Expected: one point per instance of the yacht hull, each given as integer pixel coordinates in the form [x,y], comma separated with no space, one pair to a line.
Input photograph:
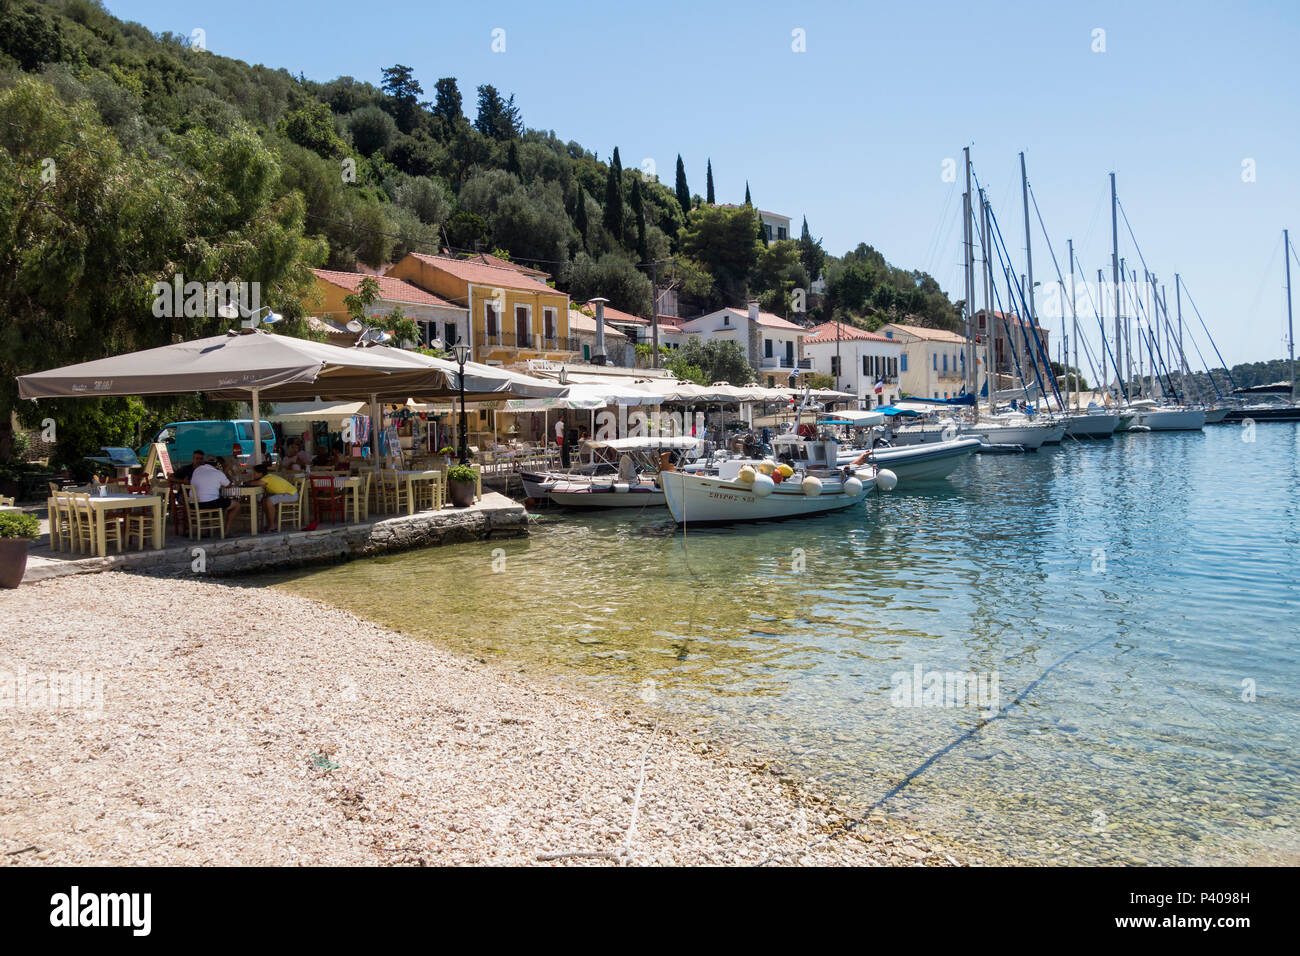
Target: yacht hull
[699,499]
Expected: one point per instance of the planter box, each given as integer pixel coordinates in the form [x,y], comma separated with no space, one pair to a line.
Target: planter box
[13,561]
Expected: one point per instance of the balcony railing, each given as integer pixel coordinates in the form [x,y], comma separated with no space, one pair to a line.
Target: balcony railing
[773,361]
[535,342]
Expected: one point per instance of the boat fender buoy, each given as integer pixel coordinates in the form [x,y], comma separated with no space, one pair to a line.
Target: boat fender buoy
[812,486]
[886,480]
[785,470]
[621,487]
[747,475]
[853,487]
[777,477]
[766,467]
[764,485]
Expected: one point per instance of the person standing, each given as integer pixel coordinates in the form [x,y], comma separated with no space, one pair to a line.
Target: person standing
[559,440]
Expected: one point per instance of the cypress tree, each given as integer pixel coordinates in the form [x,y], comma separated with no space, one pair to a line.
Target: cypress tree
[638,209]
[580,216]
[748,201]
[512,159]
[762,233]
[708,194]
[683,191]
[614,199]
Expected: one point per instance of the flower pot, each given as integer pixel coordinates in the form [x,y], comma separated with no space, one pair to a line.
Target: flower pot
[461,493]
[13,561]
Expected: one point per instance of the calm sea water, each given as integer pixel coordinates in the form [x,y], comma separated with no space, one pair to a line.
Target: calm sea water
[1137,601]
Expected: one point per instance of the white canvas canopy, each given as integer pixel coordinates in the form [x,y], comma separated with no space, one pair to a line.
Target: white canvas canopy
[303,413]
[646,443]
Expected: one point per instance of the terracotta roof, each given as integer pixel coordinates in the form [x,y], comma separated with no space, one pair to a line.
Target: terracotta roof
[765,319]
[933,335]
[391,289]
[487,259]
[838,331]
[480,274]
[581,322]
[615,315]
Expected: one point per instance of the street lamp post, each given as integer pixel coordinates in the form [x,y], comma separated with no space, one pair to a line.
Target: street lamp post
[460,352]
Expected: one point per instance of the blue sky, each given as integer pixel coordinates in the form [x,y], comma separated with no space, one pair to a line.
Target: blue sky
[853,131]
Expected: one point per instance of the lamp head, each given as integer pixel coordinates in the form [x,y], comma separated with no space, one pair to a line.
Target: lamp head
[460,351]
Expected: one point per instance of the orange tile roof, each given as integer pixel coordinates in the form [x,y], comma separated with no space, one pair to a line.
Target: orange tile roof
[615,315]
[391,289]
[488,259]
[838,331]
[933,335]
[480,274]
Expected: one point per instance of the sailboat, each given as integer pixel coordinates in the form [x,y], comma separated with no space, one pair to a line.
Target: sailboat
[1278,410]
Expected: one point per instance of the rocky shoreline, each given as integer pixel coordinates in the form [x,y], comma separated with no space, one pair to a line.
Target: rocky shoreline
[151,721]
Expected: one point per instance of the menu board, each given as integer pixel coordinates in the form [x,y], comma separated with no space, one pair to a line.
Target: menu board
[158,457]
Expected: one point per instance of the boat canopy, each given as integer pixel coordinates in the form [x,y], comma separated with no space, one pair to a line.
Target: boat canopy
[892,410]
[855,417]
[1277,388]
[645,443]
[958,400]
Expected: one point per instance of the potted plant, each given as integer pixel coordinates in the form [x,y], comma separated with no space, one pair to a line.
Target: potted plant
[446,451]
[462,480]
[16,532]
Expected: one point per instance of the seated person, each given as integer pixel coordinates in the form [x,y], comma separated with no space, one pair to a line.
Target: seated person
[184,473]
[275,489]
[208,480]
[340,460]
[297,456]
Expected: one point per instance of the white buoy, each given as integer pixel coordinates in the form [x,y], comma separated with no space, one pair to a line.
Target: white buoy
[853,487]
[812,486]
[767,467]
[621,487]
[764,485]
[747,475]
[886,480]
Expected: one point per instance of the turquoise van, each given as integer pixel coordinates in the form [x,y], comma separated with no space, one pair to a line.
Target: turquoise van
[213,438]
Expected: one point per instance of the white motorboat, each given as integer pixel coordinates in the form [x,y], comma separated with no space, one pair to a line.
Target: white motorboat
[932,461]
[618,473]
[744,491]
[1166,418]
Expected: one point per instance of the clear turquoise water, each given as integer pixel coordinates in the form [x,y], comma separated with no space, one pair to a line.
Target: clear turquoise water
[1121,591]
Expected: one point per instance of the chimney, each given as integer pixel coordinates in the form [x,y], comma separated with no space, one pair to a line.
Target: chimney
[753,310]
[598,353]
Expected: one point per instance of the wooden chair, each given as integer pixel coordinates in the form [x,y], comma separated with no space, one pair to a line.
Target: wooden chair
[292,510]
[356,499]
[392,492]
[179,509]
[86,525]
[325,498]
[139,525]
[202,519]
[63,523]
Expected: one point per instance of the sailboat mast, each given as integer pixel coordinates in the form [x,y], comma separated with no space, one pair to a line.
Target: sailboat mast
[1074,327]
[968,263]
[1029,264]
[1290,327]
[1114,269]
[990,372]
[1101,314]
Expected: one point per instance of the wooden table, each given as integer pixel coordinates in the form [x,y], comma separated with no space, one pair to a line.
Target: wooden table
[250,495]
[102,504]
[412,477]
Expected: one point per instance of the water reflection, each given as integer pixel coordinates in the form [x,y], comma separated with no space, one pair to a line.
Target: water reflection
[1144,575]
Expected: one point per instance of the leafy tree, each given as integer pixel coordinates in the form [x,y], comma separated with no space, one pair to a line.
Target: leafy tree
[404,93]
[30,36]
[683,191]
[723,241]
[447,102]
[500,119]
[710,198]
[466,230]
[372,130]
[718,360]
[312,126]
[614,277]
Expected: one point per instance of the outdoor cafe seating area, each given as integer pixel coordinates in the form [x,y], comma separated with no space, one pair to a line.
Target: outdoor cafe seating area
[131,513]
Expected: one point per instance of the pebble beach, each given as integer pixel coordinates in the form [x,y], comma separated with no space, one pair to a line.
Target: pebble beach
[205,723]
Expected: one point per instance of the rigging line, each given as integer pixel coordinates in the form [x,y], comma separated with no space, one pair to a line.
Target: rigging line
[1130,234]
[1192,302]
[1102,326]
[1037,350]
[941,225]
[1000,715]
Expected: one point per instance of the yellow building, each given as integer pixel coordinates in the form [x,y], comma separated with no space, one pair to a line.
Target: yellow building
[436,318]
[514,315]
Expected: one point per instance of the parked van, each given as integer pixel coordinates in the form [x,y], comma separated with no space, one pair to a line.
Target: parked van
[213,438]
